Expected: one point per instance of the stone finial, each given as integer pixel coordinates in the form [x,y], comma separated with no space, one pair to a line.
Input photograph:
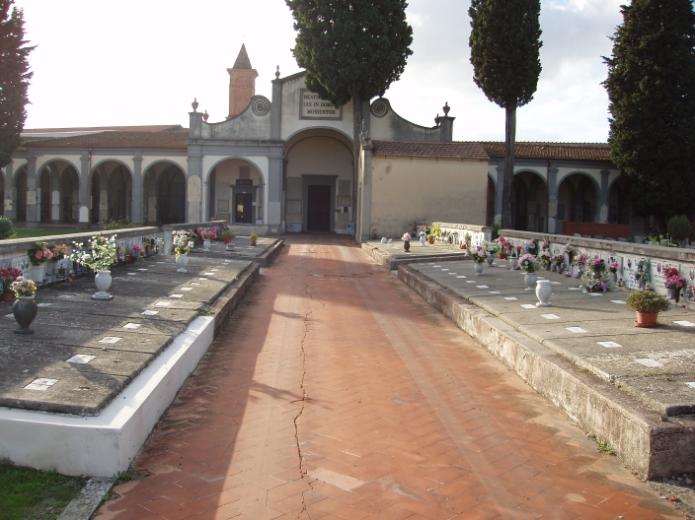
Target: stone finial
[195,104]
[206,116]
[277,72]
[437,119]
[446,108]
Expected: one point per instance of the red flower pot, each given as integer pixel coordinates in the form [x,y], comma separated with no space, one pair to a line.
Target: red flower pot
[646,320]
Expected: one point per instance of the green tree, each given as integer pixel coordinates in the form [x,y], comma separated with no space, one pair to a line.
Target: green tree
[351,49]
[505,46]
[14,78]
[651,88]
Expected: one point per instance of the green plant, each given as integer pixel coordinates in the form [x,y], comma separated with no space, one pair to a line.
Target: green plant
[679,227]
[6,228]
[603,447]
[495,231]
[647,301]
[436,230]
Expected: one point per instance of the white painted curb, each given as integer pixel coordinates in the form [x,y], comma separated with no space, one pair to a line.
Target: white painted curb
[105,445]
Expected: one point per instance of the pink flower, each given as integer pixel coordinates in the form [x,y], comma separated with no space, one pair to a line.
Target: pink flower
[38,255]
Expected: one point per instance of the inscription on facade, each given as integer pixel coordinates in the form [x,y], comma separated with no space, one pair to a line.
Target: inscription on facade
[311,106]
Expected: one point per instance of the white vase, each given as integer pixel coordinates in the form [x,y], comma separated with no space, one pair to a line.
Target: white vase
[478,267]
[530,279]
[544,290]
[206,245]
[38,273]
[182,262]
[103,281]
[423,240]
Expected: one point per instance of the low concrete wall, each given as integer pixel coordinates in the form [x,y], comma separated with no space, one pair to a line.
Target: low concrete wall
[648,444]
[479,235]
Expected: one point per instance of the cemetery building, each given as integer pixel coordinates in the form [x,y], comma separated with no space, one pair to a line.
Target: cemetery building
[285,164]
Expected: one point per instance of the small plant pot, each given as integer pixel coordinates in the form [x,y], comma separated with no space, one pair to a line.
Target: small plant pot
[478,268]
[406,246]
[252,241]
[24,310]
[646,320]
[102,279]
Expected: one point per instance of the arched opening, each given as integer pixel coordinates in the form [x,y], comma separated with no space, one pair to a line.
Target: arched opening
[58,193]
[111,193]
[235,192]
[529,202]
[319,182]
[165,194]
[490,216]
[619,201]
[577,196]
[20,190]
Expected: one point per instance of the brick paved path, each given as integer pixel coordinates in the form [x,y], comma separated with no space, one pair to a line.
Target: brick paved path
[337,393]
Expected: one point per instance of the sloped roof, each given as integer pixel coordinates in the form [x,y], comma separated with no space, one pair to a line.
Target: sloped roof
[455,150]
[552,151]
[242,60]
[170,139]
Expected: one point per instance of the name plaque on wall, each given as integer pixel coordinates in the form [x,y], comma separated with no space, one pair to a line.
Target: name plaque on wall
[311,106]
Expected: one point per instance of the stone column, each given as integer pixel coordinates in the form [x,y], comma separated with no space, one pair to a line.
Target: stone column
[498,195]
[10,210]
[553,224]
[276,110]
[55,205]
[603,198]
[364,192]
[85,189]
[136,201]
[274,202]
[196,191]
[103,197]
[32,202]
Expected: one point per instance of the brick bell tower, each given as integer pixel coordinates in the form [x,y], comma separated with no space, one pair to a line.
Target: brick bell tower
[242,83]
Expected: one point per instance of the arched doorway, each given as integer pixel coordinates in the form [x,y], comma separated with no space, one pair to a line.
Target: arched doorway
[111,193]
[20,194]
[59,185]
[529,202]
[319,182]
[619,201]
[165,194]
[577,196]
[236,192]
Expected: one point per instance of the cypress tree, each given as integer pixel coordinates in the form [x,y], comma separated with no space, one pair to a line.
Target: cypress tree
[651,88]
[14,78]
[505,47]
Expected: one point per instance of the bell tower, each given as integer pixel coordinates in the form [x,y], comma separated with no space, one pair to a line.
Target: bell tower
[242,83]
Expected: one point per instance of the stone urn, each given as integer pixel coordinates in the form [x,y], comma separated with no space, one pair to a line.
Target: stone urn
[478,267]
[24,309]
[544,290]
[530,279]
[182,262]
[102,280]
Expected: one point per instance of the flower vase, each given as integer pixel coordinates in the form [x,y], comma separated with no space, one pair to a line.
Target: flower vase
[478,267]
[645,320]
[229,245]
[423,239]
[24,309]
[206,245]
[490,259]
[530,279]
[182,262]
[37,273]
[102,280]
[406,246]
[544,290]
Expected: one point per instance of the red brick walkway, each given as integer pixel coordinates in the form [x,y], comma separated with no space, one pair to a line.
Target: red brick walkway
[337,393]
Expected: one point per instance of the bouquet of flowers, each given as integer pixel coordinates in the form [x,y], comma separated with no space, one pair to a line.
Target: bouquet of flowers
[182,242]
[60,251]
[136,251]
[209,233]
[528,263]
[7,276]
[227,235]
[613,266]
[98,255]
[545,259]
[23,287]
[531,247]
[479,255]
[39,253]
[558,263]
[406,237]
[673,278]
[598,265]
[593,283]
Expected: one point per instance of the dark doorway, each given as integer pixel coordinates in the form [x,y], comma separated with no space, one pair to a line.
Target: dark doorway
[243,209]
[319,208]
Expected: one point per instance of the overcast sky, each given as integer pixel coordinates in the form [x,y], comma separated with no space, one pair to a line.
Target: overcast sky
[128,62]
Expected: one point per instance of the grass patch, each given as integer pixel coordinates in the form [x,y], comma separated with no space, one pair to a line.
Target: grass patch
[42,232]
[40,495]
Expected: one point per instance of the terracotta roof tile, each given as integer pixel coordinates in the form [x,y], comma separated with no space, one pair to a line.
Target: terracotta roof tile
[430,149]
[172,140]
[553,151]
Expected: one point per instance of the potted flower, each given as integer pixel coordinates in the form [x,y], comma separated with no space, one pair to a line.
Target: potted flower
[227,238]
[39,253]
[491,252]
[182,246]
[7,276]
[478,256]
[674,282]
[546,260]
[207,235]
[24,308]
[406,238]
[504,245]
[253,238]
[98,255]
[647,305]
[558,263]
[528,264]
